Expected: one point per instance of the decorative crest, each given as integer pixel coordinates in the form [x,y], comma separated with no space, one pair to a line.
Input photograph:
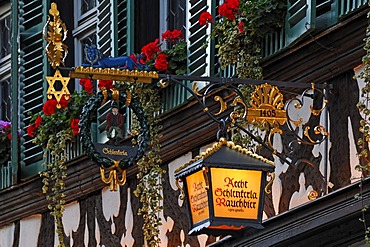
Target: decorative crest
[267,105]
[56,50]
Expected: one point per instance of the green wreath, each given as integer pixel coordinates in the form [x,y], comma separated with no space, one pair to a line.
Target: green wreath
[89,114]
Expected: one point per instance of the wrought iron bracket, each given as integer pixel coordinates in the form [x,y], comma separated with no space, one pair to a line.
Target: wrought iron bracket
[298,128]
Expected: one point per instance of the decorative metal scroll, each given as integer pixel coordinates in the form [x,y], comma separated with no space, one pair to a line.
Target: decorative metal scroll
[266,109]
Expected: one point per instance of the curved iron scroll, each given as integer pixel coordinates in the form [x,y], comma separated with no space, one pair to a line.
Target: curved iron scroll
[224,120]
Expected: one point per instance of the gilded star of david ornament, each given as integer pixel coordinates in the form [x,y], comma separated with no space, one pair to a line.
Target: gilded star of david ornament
[58,94]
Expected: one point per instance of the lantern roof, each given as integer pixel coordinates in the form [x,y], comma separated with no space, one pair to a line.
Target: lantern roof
[226,153]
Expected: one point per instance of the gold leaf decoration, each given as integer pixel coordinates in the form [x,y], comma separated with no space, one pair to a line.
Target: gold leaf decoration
[267,106]
[56,50]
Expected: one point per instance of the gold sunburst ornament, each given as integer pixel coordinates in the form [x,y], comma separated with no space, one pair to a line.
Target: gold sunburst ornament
[267,106]
[58,94]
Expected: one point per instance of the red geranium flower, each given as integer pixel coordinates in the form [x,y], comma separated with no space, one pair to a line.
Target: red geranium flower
[172,36]
[177,35]
[229,8]
[205,18]
[108,84]
[9,136]
[31,130]
[150,49]
[167,35]
[49,107]
[87,85]
[63,101]
[161,62]
[233,4]
[241,27]
[38,121]
[83,81]
[74,126]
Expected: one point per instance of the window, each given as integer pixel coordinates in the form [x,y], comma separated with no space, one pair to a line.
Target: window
[5,50]
[176,15]
[84,31]
[87,5]
[5,38]
[5,100]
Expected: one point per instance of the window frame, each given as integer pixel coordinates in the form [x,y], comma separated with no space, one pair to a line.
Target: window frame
[5,10]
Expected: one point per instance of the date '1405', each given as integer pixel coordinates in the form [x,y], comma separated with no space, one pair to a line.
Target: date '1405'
[267,113]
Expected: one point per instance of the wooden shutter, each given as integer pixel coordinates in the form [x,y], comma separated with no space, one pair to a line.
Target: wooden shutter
[105,43]
[300,19]
[346,7]
[197,38]
[32,74]
[125,27]
[105,27]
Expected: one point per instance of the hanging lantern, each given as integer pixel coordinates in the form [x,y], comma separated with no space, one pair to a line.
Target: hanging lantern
[224,188]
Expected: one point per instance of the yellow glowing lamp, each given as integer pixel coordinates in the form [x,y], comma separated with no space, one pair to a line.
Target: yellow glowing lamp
[224,188]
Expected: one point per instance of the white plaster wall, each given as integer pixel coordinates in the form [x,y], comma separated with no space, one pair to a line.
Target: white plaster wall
[301,196]
[172,166]
[71,219]
[30,230]
[355,174]
[167,226]
[111,203]
[280,167]
[303,114]
[86,234]
[7,235]
[128,239]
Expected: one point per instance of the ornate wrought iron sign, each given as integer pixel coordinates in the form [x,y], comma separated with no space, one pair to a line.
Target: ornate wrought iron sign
[115,160]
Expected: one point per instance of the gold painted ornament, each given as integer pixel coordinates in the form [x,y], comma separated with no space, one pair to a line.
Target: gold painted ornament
[53,92]
[267,106]
[56,50]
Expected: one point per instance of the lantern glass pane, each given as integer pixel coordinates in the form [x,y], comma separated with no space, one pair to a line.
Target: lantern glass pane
[236,193]
[198,198]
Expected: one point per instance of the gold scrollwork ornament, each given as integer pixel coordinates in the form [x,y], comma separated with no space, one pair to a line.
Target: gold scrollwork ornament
[271,175]
[113,179]
[223,105]
[56,50]
[312,195]
[182,193]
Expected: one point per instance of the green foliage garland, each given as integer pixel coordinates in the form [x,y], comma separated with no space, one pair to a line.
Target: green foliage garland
[239,36]
[52,129]
[150,173]
[364,108]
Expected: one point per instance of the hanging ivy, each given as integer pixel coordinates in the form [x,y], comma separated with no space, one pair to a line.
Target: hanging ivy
[362,143]
[149,188]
